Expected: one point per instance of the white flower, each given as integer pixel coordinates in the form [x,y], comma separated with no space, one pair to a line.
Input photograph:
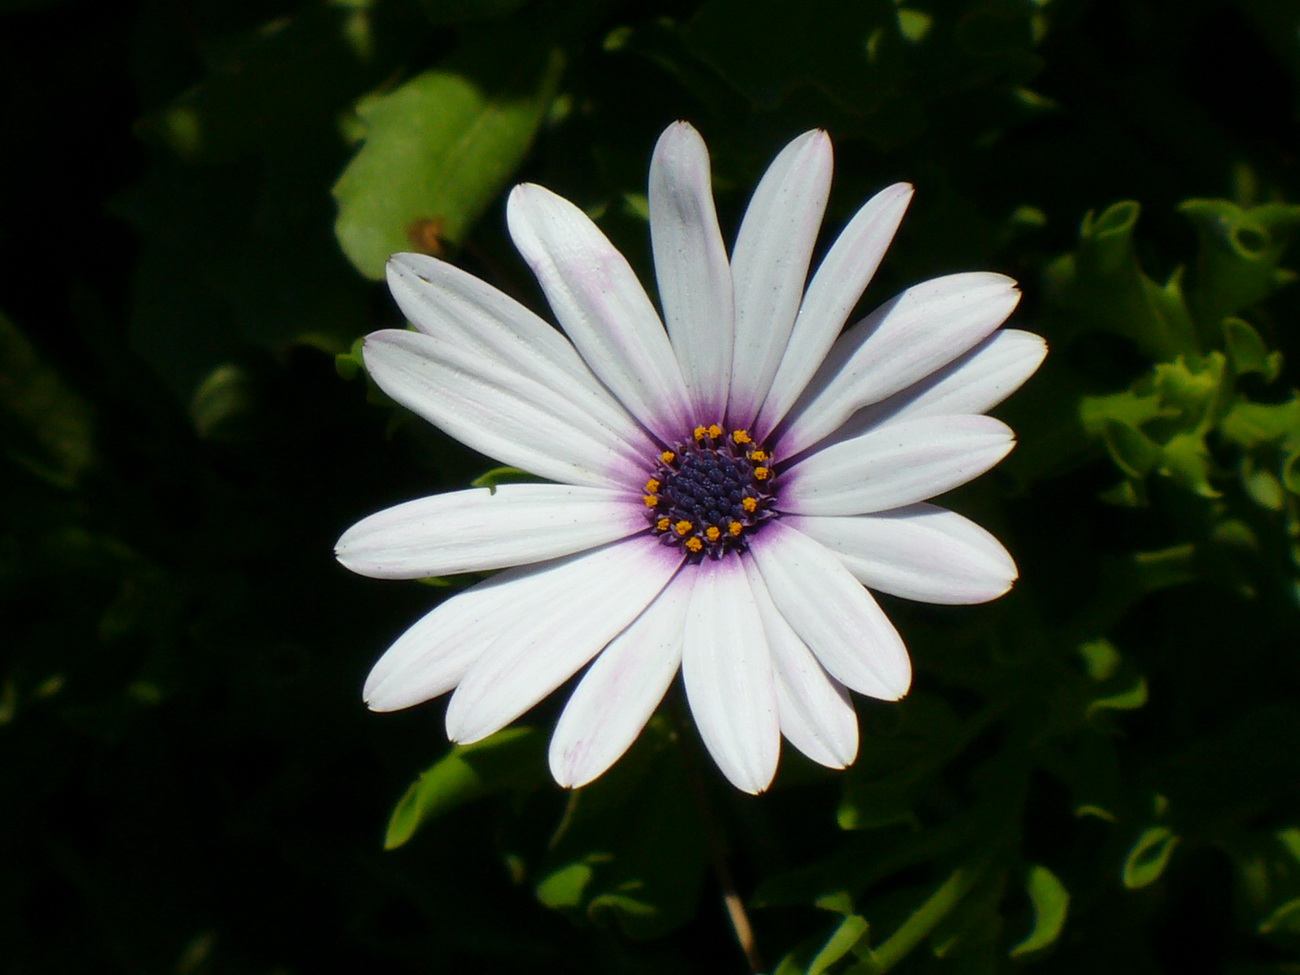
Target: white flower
[724,489]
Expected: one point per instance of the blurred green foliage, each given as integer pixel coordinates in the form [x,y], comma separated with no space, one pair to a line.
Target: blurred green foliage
[1099,772]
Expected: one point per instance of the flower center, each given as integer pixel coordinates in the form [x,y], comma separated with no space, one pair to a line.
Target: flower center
[710,493]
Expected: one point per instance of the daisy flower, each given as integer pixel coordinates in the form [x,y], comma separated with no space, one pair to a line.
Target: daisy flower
[724,491]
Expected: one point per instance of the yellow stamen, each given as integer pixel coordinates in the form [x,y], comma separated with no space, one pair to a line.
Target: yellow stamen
[663,524]
[700,433]
[651,500]
[741,436]
[761,473]
[667,457]
[735,528]
[652,485]
[713,533]
[694,544]
[715,431]
[683,526]
[749,504]
[758,456]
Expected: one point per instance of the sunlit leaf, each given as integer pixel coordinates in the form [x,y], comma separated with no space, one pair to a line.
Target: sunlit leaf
[1148,857]
[441,147]
[851,931]
[1051,903]
[1247,350]
[1186,459]
[1254,424]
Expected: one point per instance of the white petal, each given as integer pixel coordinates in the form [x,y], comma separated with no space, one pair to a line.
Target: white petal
[816,712]
[621,689]
[903,341]
[975,383]
[920,552]
[831,612]
[517,419]
[453,306]
[600,304]
[434,655]
[727,669]
[478,530]
[894,465]
[770,264]
[574,607]
[691,267]
[839,282]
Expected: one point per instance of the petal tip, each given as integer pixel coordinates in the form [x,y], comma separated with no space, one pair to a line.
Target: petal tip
[379,705]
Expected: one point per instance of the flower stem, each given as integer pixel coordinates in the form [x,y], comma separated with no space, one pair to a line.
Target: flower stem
[731,899]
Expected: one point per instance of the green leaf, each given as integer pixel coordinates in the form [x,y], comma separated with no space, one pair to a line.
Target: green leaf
[1100,658]
[631,852]
[1187,461]
[1130,699]
[1194,388]
[1256,424]
[1291,472]
[1102,286]
[440,148]
[349,364]
[1148,857]
[47,428]
[501,475]
[1247,351]
[850,932]
[1238,262]
[513,760]
[1284,920]
[969,937]
[223,402]
[567,886]
[1131,407]
[1165,567]
[1051,902]
[1133,452]
[923,919]
[1262,485]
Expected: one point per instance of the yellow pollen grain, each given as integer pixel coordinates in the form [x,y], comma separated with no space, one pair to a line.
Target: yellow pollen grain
[663,524]
[667,457]
[761,473]
[749,504]
[713,533]
[736,527]
[651,500]
[683,526]
[758,456]
[741,436]
[652,485]
[715,431]
[700,433]
[694,544]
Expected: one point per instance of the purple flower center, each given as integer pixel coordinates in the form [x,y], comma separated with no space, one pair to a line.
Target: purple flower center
[710,493]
